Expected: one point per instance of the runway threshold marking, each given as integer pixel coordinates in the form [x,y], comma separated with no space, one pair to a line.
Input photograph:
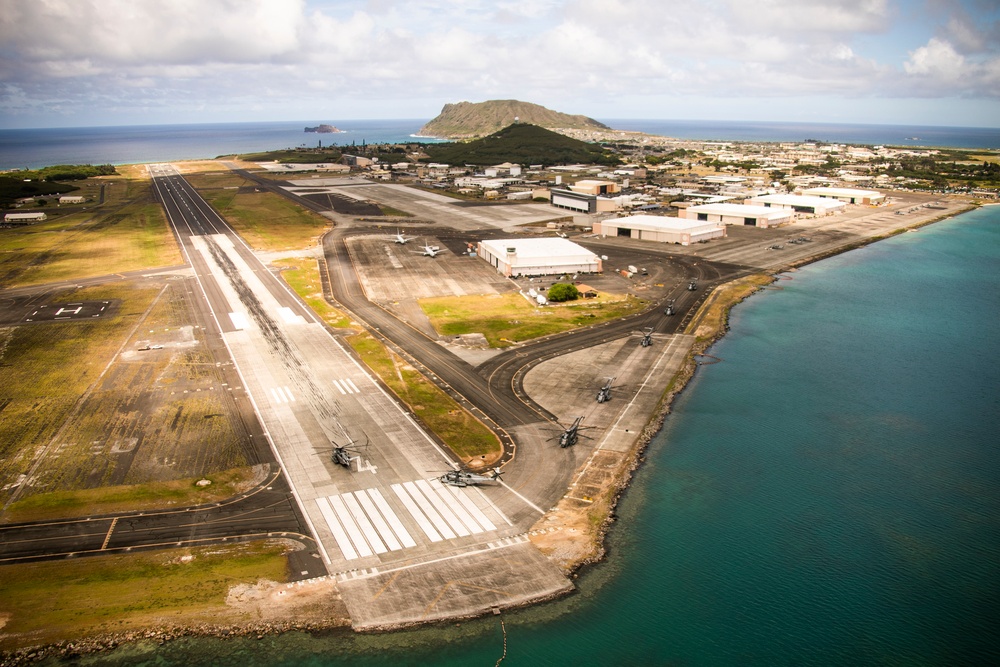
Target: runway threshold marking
[107,538]
[346,386]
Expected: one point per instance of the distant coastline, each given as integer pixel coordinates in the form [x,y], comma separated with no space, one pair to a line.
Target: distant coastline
[133,144]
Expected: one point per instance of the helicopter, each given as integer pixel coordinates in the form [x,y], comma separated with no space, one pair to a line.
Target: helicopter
[669,310]
[345,455]
[464,478]
[604,393]
[570,434]
[647,337]
[693,285]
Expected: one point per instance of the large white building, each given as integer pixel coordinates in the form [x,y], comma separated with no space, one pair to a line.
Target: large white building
[739,214]
[23,218]
[538,257]
[800,203]
[847,195]
[661,229]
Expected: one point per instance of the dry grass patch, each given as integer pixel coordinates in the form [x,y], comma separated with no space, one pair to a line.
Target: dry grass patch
[302,275]
[132,498]
[456,427]
[509,318]
[267,221]
[128,233]
[66,600]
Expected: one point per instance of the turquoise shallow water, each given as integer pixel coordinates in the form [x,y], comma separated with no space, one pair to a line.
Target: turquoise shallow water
[827,495]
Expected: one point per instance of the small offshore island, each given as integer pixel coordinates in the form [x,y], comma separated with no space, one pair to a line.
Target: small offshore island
[324,129]
[455,327]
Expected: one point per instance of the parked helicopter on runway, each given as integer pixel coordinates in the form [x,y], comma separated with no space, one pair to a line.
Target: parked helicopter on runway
[647,337]
[604,393]
[693,285]
[669,310]
[570,434]
[346,455]
[463,478]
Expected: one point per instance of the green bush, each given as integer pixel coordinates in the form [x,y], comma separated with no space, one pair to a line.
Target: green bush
[563,292]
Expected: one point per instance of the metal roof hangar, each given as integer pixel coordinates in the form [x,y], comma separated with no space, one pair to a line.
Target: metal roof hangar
[740,214]
[538,257]
[661,229]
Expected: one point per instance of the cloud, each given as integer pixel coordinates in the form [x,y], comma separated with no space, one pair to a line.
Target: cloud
[304,58]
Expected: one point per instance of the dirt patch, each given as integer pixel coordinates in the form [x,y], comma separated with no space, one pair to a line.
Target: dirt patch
[266,601]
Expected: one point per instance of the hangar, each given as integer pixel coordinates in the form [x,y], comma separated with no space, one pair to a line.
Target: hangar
[23,218]
[847,195]
[661,229]
[800,203]
[739,214]
[538,257]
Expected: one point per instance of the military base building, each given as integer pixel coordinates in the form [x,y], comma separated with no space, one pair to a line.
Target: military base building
[538,257]
[847,195]
[740,214]
[661,229]
[819,206]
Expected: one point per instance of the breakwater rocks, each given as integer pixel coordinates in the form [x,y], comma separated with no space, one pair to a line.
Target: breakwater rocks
[70,650]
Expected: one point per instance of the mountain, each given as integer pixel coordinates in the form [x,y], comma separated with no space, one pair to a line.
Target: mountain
[466,120]
[521,144]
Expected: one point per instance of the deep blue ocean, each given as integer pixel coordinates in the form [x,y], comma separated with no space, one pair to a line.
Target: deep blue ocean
[826,495]
[20,149]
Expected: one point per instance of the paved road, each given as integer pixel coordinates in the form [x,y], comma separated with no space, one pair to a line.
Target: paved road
[268,510]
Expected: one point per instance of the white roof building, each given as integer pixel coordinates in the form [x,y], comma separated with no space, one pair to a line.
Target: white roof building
[23,218]
[661,229]
[740,214]
[800,203]
[848,195]
[538,257]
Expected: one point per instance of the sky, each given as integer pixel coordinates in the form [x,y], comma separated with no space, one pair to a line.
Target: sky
[76,63]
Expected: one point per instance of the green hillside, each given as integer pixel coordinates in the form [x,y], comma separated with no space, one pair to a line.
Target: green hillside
[521,144]
[467,119]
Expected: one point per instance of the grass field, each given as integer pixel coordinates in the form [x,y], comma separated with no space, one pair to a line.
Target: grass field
[95,418]
[130,498]
[464,434]
[302,275]
[65,600]
[127,233]
[508,318]
[265,220]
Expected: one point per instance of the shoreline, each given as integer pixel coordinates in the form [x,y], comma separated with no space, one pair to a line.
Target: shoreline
[622,479]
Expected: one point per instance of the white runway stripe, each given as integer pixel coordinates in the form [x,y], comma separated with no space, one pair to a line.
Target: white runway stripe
[338,532]
[348,523]
[471,508]
[380,525]
[391,518]
[415,512]
[339,386]
[364,523]
[352,385]
[428,509]
[441,506]
[289,393]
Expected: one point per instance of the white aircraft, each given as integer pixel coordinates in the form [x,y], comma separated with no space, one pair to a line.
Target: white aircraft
[401,238]
[431,250]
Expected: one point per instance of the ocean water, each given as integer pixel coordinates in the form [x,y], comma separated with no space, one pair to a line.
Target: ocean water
[31,149]
[827,495]
[847,133]
[134,144]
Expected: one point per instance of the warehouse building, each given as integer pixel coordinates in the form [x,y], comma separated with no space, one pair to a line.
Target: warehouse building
[71,199]
[661,229]
[847,195]
[538,257]
[800,203]
[23,218]
[740,214]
